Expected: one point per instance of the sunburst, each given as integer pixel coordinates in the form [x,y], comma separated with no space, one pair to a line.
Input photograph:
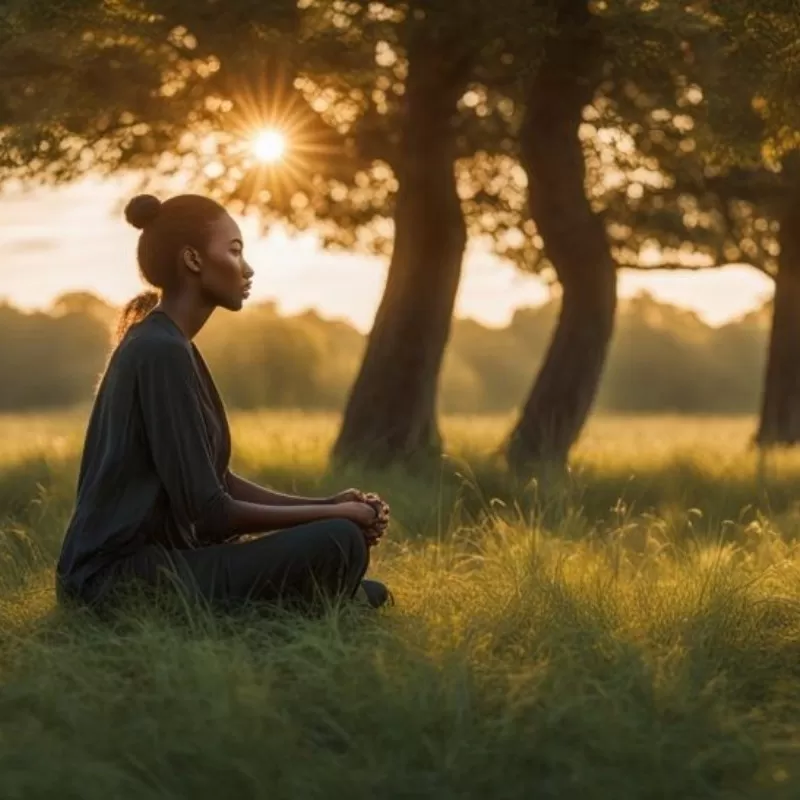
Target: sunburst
[269,146]
[272,143]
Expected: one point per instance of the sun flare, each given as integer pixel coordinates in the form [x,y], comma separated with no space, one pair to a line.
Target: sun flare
[269,146]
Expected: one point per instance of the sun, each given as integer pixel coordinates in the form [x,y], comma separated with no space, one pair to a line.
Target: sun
[269,145]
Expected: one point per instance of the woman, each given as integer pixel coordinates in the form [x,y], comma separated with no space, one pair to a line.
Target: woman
[157,502]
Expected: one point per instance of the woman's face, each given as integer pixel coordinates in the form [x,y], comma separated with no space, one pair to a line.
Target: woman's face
[225,276]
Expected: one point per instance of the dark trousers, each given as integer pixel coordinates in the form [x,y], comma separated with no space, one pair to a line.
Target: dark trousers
[302,567]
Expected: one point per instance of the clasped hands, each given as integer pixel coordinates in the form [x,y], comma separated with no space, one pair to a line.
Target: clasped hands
[366,509]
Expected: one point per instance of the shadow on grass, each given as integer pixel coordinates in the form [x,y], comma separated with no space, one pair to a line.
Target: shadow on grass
[557,684]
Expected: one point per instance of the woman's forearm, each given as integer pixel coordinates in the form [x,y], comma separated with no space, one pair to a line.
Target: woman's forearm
[241,489]
[245,517]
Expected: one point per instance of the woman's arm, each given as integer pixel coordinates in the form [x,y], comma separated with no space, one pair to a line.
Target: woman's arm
[244,517]
[241,489]
[199,501]
[174,425]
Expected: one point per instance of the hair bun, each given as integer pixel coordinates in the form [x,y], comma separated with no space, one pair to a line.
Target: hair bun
[142,210]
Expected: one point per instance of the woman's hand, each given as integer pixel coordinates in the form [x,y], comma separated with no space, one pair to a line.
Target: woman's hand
[378,528]
[374,529]
[357,496]
[362,514]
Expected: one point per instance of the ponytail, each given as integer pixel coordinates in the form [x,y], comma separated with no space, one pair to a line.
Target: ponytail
[135,310]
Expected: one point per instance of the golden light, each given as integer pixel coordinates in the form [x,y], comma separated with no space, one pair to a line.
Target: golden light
[269,146]
[276,146]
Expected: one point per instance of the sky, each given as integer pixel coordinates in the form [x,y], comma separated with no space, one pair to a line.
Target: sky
[75,238]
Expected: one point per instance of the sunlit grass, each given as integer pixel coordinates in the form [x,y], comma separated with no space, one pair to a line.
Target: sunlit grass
[629,631]
[40,435]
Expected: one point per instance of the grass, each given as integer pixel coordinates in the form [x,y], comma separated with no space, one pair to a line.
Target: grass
[631,630]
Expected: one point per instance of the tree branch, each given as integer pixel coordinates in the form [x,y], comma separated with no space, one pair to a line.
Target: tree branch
[676,266]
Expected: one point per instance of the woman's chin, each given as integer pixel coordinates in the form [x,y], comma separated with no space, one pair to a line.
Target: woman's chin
[235,303]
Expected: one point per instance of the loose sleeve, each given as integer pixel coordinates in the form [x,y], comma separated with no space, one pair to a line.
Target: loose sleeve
[176,433]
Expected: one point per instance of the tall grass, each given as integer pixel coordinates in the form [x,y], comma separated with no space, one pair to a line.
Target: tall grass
[630,630]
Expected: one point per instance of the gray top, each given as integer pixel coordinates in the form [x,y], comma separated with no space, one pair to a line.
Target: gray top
[155,460]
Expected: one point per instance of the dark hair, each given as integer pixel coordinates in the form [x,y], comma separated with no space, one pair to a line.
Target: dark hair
[166,229]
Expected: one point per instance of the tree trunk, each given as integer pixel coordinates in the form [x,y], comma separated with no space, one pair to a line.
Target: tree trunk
[780,408]
[390,416]
[576,244]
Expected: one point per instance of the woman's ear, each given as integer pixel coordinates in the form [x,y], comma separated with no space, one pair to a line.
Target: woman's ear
[190,258]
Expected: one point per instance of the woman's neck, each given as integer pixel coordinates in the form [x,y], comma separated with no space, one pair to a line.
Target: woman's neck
[186,313]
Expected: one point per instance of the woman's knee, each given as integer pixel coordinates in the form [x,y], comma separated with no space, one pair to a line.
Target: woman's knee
[342,543]
[349,537]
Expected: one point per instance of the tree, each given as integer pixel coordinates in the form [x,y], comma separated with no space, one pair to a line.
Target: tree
[84,303]
[574,238]
[391,412]
[681,135]
[767,129]
[407,131]
[729,184]
[596,51]
[371,93]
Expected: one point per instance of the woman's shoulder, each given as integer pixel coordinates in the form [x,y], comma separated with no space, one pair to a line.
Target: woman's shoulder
[153,339]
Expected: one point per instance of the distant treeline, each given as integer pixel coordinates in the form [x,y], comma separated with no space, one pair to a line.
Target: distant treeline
[662,359]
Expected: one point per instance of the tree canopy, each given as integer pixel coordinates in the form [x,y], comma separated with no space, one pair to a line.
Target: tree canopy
[180,88]
[679,119]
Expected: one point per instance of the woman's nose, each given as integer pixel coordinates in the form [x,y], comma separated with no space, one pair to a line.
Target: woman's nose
[248,270]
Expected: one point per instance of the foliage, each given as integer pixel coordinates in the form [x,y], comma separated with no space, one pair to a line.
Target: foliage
[720,149]
[689,98]
[172,89]
[179,88]
[662,359]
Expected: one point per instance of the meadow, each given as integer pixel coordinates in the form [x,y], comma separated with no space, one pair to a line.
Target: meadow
[628,630]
